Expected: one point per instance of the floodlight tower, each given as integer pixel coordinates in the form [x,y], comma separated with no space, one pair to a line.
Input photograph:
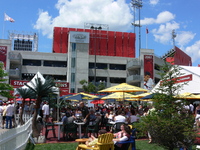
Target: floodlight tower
[173,37]
[137,4]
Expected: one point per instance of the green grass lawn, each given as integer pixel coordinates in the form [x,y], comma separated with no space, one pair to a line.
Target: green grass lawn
[140,145]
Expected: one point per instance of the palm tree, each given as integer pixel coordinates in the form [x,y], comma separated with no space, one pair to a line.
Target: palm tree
[24,93]
[40,89]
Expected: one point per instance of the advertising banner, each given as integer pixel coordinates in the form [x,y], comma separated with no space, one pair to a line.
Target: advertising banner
[79,37]
[3,54]
[148,72]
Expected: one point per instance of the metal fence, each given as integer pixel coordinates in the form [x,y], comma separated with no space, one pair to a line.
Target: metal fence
[16,138]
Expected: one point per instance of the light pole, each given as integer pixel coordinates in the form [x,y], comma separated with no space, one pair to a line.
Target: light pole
[95,27]
[137,4]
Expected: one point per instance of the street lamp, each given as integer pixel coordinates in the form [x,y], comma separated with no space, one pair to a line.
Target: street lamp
[138,5]
[94,26]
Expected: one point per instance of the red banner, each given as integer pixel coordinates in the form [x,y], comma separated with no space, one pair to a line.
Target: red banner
[3,53]
[185,78]
[148,72]
[64,91]
[63,86]
[18,83]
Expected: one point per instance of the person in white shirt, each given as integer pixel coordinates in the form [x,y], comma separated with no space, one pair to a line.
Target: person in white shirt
[45,110]
[9,113]
[120,117]
[133,118]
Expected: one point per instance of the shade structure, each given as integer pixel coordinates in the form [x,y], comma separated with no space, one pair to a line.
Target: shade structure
[81,96]
[187,95]
[124,87]
[141,95]
[66,96]
[118,96]
[97,102]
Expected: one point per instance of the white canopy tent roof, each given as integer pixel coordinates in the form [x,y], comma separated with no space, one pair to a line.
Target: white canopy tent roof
[191,75]
[38,75]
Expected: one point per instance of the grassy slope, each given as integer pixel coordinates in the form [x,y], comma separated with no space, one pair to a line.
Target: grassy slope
[140,145]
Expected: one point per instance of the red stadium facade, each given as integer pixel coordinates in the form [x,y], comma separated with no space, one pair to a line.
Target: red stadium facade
[104,43]
[179,58]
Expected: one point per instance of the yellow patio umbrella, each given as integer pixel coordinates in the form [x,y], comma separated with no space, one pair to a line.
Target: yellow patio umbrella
[141,95]
[187,95]
[124,87]
[118,96]
[81,96]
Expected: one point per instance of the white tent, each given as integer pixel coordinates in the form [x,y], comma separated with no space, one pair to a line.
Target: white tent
[191,75]
[38,75]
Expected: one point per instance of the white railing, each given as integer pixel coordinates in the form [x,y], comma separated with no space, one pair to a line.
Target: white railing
[25,117]
[16,138]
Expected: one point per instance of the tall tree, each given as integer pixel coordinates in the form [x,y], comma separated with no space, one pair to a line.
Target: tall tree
[5,88]
[170,124]
[24,93]
[40,89]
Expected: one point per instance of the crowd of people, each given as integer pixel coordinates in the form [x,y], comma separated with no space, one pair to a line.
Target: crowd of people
[101,114]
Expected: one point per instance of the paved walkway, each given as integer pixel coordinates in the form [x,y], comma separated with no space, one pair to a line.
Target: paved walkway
[3,130]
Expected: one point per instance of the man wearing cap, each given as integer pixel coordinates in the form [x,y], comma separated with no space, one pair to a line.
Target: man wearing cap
[9,113]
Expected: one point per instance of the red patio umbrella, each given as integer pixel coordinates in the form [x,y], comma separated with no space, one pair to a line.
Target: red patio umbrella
[27,99]
[97,102]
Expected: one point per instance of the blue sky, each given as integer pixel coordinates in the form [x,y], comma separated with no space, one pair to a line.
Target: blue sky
[159,16]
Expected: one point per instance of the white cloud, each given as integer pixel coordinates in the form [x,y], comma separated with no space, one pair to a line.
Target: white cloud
[194,51]
[184,37]
[162,17]
[74,13]
[164,33]
[154,2]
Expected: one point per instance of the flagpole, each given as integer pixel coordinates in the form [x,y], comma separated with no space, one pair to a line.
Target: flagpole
[146,40]
[3,27]
[147,31]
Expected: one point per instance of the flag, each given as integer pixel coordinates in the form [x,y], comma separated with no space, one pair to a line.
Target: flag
[147,30]
[7,18]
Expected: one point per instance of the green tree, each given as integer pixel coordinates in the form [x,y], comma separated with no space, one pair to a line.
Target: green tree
[24,93]
[170,124]
[40,89]
[89,87]
[5,88]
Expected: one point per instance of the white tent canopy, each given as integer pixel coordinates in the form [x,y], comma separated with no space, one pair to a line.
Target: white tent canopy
[191,75]
[38,75]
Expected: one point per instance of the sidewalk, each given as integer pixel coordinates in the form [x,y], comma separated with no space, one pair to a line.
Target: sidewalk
[3,130]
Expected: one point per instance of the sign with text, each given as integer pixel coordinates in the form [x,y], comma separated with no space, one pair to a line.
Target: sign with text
[79,37]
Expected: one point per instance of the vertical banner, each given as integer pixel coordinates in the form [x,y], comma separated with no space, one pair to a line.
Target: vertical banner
[148,72]
[3,54]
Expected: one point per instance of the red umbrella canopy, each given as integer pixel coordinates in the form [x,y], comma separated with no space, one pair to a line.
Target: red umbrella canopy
[97,102]
[27,99]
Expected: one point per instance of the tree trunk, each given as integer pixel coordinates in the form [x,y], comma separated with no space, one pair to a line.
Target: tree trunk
[21,121]
[36,132]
